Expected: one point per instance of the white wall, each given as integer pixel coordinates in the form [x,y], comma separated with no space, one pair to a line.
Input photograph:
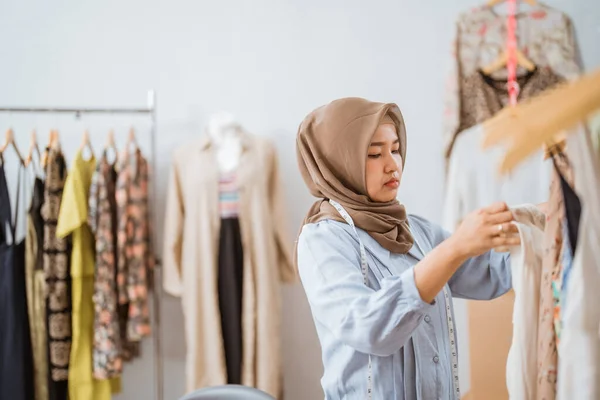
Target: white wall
[269,62]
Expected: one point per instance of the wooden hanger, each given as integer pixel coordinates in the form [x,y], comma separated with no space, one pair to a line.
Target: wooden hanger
[530,125]
[502,61]
[492,3]
[9,139]
[53,143]
[110,141]
[32,146]
[86,143]
[132,139]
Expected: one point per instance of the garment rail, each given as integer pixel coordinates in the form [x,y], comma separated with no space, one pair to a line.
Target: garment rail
[149,110]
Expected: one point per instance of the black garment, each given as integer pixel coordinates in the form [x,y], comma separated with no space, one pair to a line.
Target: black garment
[230,278]
[16,358]
[35,213]
[572,210]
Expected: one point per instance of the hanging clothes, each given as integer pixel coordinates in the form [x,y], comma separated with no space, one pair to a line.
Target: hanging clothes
[192,226]
[526,263]
[481,96]
[135,260]
[230,276]
[579,348]
[551,264]
[36,290]
[102,220]
[58,279]
[16,363]
[544,34]
[473,181]
[72,221]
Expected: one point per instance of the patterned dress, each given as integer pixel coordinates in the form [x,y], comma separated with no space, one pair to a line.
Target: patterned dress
[58,280]
[544,34]
[102,219]
[135,259]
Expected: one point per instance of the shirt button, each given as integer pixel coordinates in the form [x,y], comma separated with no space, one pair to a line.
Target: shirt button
[436,359]
[427,318]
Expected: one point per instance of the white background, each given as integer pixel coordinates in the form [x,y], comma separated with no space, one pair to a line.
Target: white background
[268,62]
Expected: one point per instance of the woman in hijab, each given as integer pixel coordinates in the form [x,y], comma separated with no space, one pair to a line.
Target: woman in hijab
[380,282]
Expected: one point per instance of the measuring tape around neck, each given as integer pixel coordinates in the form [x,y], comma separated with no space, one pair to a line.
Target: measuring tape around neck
[449,320]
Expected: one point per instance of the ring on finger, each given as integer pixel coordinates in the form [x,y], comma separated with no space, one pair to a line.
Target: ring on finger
[500,227]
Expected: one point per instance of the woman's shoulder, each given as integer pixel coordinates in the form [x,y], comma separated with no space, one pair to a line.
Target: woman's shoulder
[328,231]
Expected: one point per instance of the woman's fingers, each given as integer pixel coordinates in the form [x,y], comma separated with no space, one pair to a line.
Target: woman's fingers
[496,207]
[507,228]
[508,241]
[501,217]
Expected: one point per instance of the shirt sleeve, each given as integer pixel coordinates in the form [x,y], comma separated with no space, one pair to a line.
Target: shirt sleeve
[173,235]
[377,322]
[484,277]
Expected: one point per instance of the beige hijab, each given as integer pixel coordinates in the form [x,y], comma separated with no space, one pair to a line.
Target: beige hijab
[332,146]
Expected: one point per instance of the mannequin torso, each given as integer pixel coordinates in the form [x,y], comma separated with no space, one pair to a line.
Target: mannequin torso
[225,133]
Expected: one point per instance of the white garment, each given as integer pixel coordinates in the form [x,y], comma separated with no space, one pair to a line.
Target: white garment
[473,180]
[526,269]
[579,347]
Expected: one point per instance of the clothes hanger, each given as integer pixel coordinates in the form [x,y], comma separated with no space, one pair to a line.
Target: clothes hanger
[53,143]
[492,3]
[32,146]
[132,140]
[502,61]
[86,143]
[110,143]
[530,125]
[9,139]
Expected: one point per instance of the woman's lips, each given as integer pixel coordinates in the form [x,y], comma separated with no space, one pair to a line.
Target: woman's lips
[392,183]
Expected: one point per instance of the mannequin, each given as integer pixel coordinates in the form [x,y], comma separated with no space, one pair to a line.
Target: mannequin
[225,132]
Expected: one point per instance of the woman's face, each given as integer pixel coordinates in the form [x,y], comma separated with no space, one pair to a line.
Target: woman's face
[384,164]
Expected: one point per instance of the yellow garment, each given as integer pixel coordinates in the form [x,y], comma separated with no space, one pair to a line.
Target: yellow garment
[36,306]
[72,219]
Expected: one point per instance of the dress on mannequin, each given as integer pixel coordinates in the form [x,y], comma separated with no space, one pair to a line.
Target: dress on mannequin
[224,131]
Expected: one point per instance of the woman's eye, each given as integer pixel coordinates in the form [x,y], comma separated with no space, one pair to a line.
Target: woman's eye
[374,155]
[396,151]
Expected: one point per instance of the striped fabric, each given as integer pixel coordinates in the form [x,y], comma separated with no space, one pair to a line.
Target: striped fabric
[228,196]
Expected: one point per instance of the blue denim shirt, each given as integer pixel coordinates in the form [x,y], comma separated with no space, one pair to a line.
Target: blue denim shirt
[407,338]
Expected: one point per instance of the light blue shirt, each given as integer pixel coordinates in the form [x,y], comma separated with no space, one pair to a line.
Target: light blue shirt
[407,338]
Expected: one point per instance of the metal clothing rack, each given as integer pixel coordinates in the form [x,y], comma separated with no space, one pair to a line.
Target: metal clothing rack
[149,110]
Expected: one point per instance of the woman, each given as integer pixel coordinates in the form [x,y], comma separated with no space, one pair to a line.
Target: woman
[380,283]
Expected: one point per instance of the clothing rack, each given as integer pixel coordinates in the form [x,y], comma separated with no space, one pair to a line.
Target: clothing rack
[149,110]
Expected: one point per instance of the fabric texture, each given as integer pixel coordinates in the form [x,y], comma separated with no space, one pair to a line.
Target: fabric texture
[526,263]
[135,260]
[16,360]
[481,96]
[58,278]
[36,290]
[579,348]
[551,266]
[545,35]
[406,337]
[473,180]
[73,220]
[229,197]
[102,220]
[191,232]
[333,169]
[230,286]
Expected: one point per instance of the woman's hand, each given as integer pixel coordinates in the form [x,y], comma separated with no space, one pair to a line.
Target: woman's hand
[485,229]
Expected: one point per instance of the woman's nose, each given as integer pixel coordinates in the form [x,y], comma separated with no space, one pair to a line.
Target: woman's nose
[390,165]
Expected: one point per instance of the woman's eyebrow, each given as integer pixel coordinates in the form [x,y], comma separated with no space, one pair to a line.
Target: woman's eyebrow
[383,143]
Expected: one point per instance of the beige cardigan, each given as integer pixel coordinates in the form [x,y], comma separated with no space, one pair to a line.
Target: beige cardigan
[191,254]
